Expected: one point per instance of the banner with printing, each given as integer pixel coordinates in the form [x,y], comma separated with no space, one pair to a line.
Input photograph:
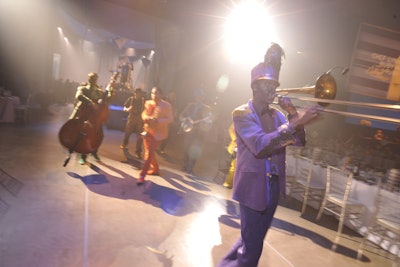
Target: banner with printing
[375,68]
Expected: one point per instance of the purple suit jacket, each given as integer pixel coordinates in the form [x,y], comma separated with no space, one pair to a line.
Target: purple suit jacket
[254,145]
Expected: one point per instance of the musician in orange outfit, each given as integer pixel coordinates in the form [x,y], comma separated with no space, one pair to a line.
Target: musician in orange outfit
[157,115]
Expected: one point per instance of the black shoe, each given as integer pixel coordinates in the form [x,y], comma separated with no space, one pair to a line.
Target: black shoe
[140,181]
[82,161]
[96,157]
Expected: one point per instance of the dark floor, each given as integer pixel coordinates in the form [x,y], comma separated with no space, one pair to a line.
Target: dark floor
[95,215]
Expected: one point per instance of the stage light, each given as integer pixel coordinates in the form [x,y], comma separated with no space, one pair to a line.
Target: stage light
[248,32]
[146,62]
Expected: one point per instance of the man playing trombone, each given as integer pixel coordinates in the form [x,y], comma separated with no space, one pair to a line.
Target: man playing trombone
[263,133]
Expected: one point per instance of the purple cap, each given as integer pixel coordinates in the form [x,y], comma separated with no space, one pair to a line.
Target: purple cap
[270,68]
[264,71]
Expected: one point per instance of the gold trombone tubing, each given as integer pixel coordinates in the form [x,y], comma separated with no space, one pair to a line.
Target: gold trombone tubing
[363,116]
[350,103]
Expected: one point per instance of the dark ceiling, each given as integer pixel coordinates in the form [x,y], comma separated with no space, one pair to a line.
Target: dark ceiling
[178,11]
[182,12]
[155,8]
[129,20]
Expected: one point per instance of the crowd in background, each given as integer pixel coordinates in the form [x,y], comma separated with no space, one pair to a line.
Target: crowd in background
[359,145]
[58,92]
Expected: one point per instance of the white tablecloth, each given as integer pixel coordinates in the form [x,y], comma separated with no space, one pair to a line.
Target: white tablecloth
[7,108]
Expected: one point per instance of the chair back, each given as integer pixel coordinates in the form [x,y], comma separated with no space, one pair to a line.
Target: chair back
[331,158]
[338,182]
[316,154]
[293,150]
[291,166]
[387,205]
[393,180]
[304,169]
[385,223]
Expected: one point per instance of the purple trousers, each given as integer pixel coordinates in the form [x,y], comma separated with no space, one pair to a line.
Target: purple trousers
[254,225]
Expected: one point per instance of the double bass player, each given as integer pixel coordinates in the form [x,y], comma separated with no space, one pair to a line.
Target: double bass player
[90,99]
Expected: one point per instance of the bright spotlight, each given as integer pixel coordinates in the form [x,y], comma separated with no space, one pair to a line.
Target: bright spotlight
[66,39]
[248,32]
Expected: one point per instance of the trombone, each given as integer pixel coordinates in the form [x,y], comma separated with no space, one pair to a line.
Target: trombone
[324,92]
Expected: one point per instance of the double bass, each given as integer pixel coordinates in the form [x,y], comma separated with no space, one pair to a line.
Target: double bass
[85,134]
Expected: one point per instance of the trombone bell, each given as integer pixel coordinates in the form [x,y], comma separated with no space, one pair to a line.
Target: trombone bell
[324,88]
